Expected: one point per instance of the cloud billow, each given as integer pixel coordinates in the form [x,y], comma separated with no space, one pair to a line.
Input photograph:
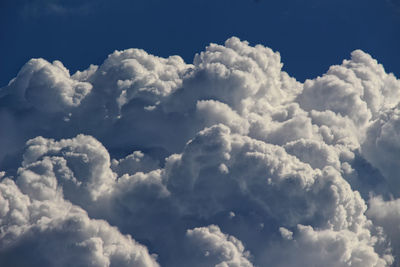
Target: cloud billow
[229,161]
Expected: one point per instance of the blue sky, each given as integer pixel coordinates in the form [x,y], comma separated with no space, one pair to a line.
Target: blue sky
[311,35]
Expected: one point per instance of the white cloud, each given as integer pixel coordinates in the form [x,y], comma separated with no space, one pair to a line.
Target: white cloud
[40,227]
[359,89]
[312,247]
[381,147]
[48,87]
[212,247]
[82,164]
[222,159]
[387,215]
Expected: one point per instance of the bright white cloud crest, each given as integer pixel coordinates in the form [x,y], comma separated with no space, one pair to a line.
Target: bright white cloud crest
[148,161]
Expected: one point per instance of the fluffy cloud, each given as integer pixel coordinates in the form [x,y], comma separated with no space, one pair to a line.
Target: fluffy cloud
[387,215]
[228,161]
[47,87]
[330,248]
[381,147]
[216,248]
[211,177]
[38,227]
[359,89]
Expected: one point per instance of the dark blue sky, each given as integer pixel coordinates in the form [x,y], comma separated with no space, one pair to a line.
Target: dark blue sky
[311,35]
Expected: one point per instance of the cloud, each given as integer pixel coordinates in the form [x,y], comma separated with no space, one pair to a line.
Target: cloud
[47,87]
[38,224]
[228,161]
[194,185]
[359,89]
[386,214]
[329,248]
[381,146]
[216,248]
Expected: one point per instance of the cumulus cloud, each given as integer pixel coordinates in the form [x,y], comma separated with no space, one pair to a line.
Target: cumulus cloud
[216,248]
[47,87]
[39,227]
[328,248]
[381,147]
[358,89]
[386,213]
[228,161]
